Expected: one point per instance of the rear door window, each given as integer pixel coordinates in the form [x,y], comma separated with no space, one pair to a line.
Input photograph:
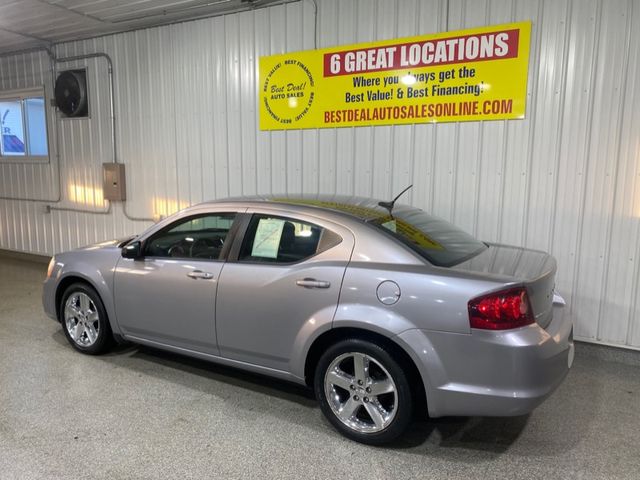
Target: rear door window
[273,239]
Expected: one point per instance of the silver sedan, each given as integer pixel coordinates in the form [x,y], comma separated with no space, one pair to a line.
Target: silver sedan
[384,310]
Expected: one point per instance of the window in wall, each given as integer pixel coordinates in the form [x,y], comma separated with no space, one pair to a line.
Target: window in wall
[23,125]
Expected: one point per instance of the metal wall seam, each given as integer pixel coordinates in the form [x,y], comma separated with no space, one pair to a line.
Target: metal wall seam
[633,155]
[589,117]
[615,175]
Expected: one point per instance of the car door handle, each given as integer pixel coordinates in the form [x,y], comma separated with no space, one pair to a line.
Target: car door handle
[312,283]
[200,274]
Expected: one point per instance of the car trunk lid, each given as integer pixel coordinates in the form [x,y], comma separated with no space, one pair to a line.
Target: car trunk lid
[535,269]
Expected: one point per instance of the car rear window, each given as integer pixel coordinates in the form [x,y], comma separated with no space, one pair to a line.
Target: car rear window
[435,239]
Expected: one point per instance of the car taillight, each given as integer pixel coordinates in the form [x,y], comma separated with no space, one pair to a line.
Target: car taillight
[501,310]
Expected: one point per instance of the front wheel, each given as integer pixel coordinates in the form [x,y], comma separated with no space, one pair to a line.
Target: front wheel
[363,391]
[84,320]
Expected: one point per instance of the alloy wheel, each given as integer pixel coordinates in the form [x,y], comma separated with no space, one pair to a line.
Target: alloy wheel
[82,319]
[361,392]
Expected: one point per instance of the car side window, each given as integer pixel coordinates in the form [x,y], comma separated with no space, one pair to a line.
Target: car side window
[273,239]
[200,237]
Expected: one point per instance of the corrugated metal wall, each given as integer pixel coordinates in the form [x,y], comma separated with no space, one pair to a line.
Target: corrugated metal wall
[566,179]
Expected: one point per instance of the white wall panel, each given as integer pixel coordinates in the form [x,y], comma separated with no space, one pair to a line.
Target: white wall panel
[565,179]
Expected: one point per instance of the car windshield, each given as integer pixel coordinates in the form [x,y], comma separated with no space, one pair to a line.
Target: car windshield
[435,239]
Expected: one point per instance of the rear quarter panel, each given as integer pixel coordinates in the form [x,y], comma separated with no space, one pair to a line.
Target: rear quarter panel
[429,299]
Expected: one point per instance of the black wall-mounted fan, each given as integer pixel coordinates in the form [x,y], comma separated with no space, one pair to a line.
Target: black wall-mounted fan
[71,93]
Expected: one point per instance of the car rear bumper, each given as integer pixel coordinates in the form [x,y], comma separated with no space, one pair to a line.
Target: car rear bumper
[492,373]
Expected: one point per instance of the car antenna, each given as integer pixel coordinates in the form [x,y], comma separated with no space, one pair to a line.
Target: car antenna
[389,205]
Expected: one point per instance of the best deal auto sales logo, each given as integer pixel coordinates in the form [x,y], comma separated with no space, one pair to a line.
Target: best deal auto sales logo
[289,91]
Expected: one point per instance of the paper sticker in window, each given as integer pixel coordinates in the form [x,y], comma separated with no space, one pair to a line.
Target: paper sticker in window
[390,225]
[267,238]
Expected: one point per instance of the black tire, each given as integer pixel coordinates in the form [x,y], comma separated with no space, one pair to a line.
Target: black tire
[402,402]
[104,338]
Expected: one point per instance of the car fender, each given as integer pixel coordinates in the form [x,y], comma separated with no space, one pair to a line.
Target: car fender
[101,282]
[417,344]
[364,317]
[391,324]
[381,321]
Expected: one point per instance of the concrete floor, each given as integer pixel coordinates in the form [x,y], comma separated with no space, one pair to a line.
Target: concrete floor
[139,413]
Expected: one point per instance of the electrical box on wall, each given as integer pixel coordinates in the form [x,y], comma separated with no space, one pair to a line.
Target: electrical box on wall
[114,182]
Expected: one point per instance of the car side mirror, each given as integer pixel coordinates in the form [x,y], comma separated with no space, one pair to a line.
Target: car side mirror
[132,250]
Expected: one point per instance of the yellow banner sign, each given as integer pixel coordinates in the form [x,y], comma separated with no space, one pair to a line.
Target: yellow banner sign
[468,75]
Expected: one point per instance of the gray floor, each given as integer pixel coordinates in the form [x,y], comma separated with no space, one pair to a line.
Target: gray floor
[138,413]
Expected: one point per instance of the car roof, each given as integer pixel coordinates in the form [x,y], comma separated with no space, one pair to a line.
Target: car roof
[362,208]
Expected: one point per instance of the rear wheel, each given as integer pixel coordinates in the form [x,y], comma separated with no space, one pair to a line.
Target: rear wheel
[363,391]
[84,320]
